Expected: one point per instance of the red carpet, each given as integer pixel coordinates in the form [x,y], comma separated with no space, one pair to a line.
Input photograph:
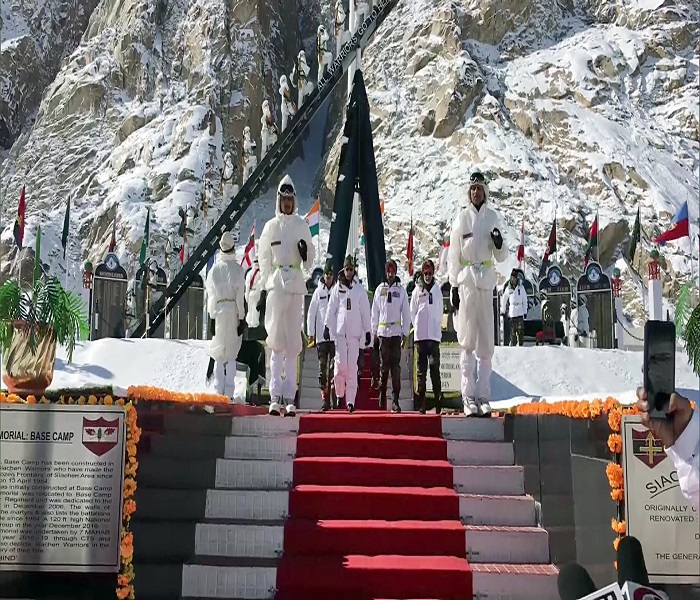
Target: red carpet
[373,514]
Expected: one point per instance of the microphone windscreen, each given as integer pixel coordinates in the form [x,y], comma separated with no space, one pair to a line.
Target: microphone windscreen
[630,562]
[574,582]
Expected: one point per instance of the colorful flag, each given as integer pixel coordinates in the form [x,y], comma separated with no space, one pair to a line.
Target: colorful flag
[551,249]
[210,262]
[680,227]
[249,252]
[442,260]
[592,241]
[409,249]
[521,247]
[145,240]
[19,221]
[66,226]
[113,241]
[312,218]
[37,255]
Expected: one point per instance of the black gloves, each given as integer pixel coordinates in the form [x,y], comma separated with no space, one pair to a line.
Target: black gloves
[326,334]
[454,298]
[368,338]
[497,239]
[261,303]
[303,250]
[241,326]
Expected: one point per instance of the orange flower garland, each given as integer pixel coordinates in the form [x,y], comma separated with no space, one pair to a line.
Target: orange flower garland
[154,394]
[125,579]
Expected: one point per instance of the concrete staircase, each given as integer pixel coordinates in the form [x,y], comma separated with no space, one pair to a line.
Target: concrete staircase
[239,537]
[310,395]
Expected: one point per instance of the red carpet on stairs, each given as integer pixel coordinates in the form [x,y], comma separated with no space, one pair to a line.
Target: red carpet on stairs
[373,514]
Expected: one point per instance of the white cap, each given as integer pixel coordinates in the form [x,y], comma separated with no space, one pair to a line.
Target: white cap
[227,243]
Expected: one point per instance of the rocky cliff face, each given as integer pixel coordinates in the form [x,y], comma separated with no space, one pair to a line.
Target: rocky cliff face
[141,113]
[568,107]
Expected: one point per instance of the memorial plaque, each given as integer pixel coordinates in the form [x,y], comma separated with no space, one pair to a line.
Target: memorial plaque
[61,487]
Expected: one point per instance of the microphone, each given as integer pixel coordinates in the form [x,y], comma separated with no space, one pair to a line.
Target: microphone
[574,582]
[632,575]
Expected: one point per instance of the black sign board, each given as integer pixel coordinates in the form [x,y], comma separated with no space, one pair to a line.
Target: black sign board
[595,291]
[555,298]
[158,280]
[109,290]
[187,321]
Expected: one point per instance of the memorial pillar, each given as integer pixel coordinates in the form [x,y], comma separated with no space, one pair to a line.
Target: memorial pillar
[655,295]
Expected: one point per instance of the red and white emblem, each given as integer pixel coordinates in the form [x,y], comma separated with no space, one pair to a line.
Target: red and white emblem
[100,435]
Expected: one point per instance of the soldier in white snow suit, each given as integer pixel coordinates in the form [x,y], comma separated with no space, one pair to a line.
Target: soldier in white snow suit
[225,292]
[323,56]
[475,242]
[228,186]
[300,75]
[315,322]
[339,25]
[253,289]
[426,316]
[268,129]
[514,304]
[250,160]
[361,12]
[391,322]
[284,244]
[287,107]
[348,323]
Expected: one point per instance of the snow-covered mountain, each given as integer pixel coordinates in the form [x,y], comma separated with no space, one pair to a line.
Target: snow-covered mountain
[570,107]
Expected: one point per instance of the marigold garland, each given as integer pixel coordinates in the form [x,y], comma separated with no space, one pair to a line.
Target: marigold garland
[154,394]
[125,578]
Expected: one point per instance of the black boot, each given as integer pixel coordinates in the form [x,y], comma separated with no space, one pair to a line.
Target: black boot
[382,396]
[421,404]
[395,406]
[438,402]
[326,405]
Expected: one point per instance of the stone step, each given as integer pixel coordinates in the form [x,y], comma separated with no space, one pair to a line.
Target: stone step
[507,511]
[177,473]
[253,474]
[494,480]
[260,448]
[485,544]
[170,445]
[491,581]
[249,505]
[453,427]
[149,536]
[464,453]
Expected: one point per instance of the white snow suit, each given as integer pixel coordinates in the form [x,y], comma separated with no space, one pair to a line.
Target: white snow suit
[287,107]
[361,12]
[253,289]
[516,301]
[323,57]
[225,291]
[471,269]
[339,26]
[282,277]
[228,186]
[348,321]
[426,313]
[268,130]
[304,86]
[250,160]
[318,308]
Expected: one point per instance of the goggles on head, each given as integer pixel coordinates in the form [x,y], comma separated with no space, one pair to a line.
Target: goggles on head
[477,178]
[287,190]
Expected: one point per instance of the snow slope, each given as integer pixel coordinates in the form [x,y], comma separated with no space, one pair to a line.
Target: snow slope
[519,374]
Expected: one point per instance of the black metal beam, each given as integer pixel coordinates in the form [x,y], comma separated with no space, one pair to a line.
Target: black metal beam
[268,165]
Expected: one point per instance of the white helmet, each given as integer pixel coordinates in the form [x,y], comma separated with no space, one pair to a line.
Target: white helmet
[265,104]
[246,131]
[302,54]
[227,242]
[227,157]
[321,28]
[283,79]
[286,187]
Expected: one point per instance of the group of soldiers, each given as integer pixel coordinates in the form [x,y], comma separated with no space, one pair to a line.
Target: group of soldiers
[340,320]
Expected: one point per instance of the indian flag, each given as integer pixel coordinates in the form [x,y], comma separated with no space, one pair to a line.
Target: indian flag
[312,218]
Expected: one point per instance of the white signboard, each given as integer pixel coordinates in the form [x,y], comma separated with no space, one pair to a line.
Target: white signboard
[450,372]
[61,487]
[655,509]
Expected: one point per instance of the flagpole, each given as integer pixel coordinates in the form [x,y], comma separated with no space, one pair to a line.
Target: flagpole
[597,235]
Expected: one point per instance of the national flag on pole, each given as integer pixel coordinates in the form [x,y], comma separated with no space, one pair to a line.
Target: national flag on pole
[551,249]
[37,255]
[409,249]
[636,235]
[442,260]
[145,240]
[521,247]
[592,241]
[680,227]
[312,218]
[210,262]
[66,226]
[19,221]
[113,240]
[249,252]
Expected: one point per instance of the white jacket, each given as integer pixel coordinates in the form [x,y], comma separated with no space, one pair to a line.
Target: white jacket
[470,258]
[316,317]
[426,313]
[226,288]
[390,319]
[515,300]
[348,312]
[685,454]
[279,259]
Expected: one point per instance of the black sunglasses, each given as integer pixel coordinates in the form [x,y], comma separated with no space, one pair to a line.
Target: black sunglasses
[287,190]
[477,178]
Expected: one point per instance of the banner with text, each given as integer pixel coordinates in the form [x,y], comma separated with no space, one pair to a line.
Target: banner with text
[61,487]
[655,509]
[450,373]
